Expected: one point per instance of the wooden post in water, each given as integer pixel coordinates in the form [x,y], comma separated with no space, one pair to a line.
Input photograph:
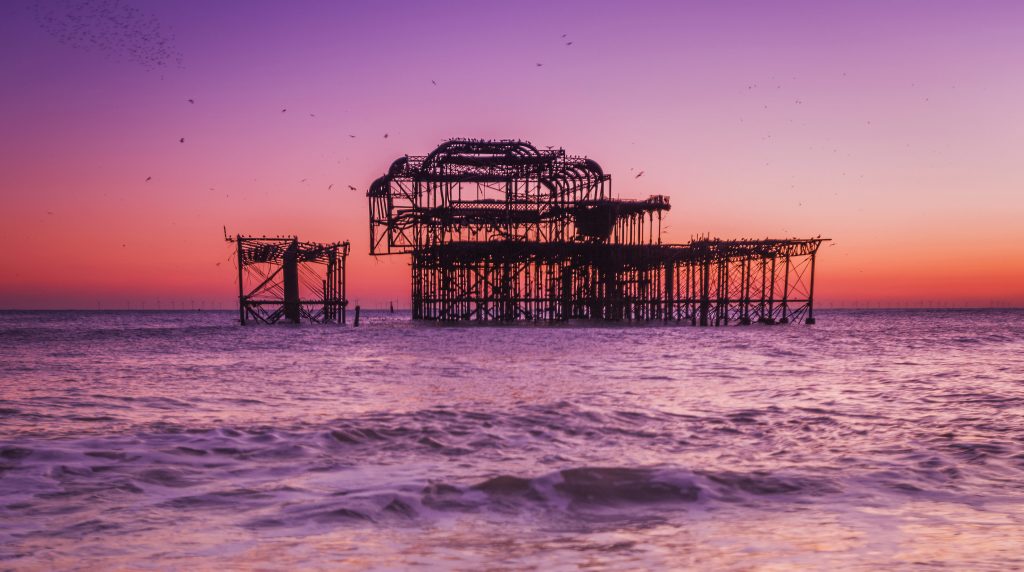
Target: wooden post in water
[356,322]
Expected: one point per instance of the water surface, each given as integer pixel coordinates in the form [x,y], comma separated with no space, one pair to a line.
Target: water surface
[181,440]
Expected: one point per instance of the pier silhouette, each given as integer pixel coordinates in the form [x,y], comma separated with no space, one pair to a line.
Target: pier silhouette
[500,231]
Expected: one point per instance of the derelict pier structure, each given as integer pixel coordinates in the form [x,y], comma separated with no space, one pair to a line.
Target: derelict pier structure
[283,279]
[502,231]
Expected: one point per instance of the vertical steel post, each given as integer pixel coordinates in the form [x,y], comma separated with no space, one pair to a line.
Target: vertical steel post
[290,271]
[705,286]
[745,290]
[810,293]
[669,290]
[241,287]
[344,300]
[327,300]
[785,293]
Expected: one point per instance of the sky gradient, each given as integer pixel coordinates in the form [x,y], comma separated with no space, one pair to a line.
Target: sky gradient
[894,128]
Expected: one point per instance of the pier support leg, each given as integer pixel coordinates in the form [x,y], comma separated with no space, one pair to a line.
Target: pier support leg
[290,272]
[810,295]
[241,283]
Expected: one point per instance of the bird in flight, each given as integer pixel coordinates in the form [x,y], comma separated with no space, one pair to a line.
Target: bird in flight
[385,135]
[148,178]
[182,140]
[331,186]
[192,101]
[640,174]
[563,35]
[283,110]
[352,188]
[568,43]
[433,82]
[352,136]
[539,64]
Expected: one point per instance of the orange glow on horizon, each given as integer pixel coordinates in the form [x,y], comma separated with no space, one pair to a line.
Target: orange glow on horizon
[899,142]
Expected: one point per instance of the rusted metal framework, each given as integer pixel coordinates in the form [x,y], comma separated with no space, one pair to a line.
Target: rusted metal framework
[503,231]
[283,279]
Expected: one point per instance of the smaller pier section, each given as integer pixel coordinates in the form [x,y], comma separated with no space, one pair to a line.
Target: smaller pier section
[281,279]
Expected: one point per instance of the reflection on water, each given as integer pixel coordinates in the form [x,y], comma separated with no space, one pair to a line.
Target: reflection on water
[872,439]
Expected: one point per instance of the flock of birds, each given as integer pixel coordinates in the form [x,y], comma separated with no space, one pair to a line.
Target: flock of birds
[115,29]
[569,43]
[192,101]
[123,32]
[433,82]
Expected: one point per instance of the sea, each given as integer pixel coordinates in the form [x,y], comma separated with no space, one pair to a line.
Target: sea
[875,439]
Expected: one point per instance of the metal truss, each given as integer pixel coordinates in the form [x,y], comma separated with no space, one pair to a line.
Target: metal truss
[501,231]
[283,279]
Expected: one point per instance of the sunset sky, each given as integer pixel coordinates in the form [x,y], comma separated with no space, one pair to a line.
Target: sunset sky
[895,128]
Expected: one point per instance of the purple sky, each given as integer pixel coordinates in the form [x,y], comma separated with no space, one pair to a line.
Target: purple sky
[895,128]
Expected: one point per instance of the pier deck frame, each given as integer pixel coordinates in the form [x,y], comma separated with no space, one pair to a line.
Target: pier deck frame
[281,279]
[708,283]
[500,231]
